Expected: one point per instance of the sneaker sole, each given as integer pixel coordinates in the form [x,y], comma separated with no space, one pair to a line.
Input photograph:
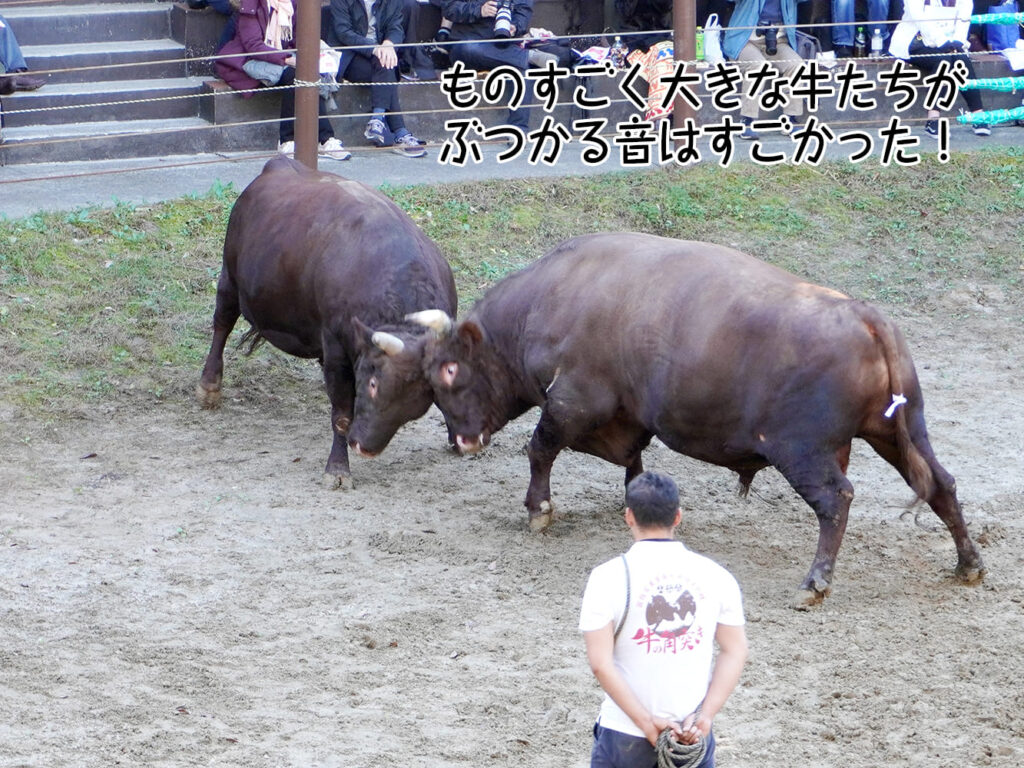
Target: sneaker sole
[406,153]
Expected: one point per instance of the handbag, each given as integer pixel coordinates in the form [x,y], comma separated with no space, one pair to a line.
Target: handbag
[1002,36]
[807,46]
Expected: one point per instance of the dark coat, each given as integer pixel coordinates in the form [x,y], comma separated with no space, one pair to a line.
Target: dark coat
[350,24]
[253,17]
[468,24]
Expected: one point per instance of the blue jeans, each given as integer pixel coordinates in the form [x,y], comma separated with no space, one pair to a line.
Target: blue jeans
[614,749]
[843,13]
[11,59]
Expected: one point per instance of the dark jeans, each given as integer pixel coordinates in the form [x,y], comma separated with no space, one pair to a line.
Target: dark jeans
[614,749]
[366,68]
[324,130]
[485,56]
[413,58]
[927,60]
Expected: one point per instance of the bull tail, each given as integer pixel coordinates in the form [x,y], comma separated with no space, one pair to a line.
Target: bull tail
[918,471]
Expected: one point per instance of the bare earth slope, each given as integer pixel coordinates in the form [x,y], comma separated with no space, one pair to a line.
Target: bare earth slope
[190,596]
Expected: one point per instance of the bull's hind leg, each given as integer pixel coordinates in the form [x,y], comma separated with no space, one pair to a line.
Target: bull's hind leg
[225,315]
[820,480]
[969,567]
[339,379]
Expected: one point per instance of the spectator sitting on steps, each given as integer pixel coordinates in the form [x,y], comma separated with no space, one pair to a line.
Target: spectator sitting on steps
[473,21]
[375,26]
[13,68]
[264,28]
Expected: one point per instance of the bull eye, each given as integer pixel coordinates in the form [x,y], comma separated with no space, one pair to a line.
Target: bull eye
[371,386]
[448,373]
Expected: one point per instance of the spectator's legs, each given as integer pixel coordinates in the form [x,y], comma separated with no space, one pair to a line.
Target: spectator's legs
[843,13]
[11,59]
[485,56]
[929,64]
[878,11]
[287,132]
[786,60]
[383,90]
[412,59]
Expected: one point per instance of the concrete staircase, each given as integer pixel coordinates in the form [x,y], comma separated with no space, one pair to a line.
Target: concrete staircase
[128,79]
[119,84]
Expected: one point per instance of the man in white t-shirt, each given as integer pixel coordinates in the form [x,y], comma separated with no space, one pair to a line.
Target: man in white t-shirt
[651,644]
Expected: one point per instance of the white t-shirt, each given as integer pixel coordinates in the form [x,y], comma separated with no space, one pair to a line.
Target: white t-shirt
[666,647]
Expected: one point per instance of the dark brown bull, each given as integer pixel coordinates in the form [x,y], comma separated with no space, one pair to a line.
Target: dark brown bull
[623,337]
[327,268]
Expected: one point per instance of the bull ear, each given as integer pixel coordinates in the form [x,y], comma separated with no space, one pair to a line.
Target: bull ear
[362,333]
[435,319]
[470,333]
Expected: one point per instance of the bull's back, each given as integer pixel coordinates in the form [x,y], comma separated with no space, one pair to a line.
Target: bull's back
[308,248]
[682,331]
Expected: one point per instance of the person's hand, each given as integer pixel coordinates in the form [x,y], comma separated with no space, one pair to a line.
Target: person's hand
[693,728]
[385,53]
[489,9]
[290,61]
[659,724]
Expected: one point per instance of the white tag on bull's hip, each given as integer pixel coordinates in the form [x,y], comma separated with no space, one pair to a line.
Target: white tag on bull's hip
[897,401]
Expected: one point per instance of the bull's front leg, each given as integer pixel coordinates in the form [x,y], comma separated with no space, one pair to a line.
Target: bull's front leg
[545,445]
[225,315]
[339,378]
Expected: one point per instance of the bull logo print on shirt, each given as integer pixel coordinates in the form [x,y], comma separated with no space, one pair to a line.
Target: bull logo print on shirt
[670,615]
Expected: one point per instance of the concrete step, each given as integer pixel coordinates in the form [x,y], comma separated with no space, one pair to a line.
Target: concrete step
[58,103]
[105,141]
[117,60]
[93,23]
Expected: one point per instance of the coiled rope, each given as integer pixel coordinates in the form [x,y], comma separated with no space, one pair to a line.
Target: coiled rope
[673,754]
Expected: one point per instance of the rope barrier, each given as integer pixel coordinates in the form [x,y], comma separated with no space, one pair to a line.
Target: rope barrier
[990,118]
[1001,84]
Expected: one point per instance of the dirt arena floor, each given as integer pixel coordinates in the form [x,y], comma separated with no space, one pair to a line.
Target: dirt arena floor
[178,589]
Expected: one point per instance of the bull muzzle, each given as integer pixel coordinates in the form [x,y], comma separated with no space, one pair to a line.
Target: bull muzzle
[469,445]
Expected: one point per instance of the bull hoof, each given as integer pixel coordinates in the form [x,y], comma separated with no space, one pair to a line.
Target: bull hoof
[208,398]
[337,482]
[805,599]
[543,518]
[970,574]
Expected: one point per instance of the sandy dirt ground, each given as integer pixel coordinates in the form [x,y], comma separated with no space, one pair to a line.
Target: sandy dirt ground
[178,590]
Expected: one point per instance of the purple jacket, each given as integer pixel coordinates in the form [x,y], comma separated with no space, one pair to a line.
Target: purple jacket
[253,17]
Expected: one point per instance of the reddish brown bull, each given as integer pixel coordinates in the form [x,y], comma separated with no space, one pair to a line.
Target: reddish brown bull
[623,337]
[327,268]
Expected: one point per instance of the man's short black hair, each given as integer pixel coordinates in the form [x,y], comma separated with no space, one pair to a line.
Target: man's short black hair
[654,500]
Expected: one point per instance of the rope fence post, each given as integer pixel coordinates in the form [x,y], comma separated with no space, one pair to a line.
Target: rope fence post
[307,113]
[684,48]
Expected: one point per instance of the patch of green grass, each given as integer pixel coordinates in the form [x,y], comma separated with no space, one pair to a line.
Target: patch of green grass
[99,304]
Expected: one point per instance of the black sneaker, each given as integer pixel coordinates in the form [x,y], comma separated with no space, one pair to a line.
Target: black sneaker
[982,129]
[932,127]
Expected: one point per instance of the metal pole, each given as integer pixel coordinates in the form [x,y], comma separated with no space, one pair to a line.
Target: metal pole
[307,40]
[684,47]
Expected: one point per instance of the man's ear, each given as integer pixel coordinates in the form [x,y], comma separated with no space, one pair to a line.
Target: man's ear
[629,517]
[678,518]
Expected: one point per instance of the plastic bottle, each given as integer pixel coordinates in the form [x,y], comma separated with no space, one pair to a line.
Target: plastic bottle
[860,43]
[618,53]
[877,44]
[699,44]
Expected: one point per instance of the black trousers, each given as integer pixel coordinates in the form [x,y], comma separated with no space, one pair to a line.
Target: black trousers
[927,60]
[324,129]
[366,68]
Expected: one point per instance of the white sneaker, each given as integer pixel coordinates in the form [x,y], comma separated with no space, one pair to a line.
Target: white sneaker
[334,149]
[826,59]
[287,148]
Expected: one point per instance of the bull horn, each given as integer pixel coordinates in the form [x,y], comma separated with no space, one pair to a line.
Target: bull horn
[436,320]
[392,345]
